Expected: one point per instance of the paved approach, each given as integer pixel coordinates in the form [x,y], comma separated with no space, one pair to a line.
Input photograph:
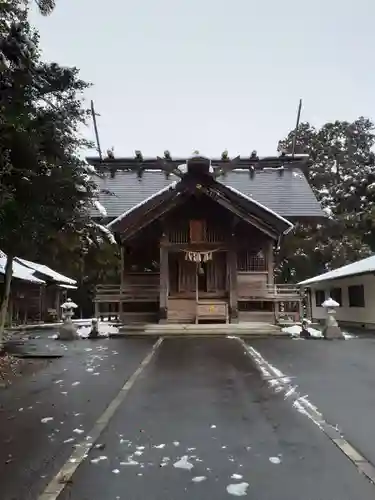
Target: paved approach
[198,422]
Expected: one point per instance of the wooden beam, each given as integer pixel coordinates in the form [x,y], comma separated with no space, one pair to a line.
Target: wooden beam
[227,166]
[150,217]
[196,247]
[244,216]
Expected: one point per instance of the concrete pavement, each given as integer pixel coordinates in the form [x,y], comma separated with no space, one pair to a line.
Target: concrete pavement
[199,422]
[73,391]
[339,379]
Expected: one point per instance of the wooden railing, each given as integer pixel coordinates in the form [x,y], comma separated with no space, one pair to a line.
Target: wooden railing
[283,291]
[114,293]
[144,292]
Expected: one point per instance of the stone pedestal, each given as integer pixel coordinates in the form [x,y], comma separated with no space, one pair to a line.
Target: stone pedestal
[68,330]
[331,330]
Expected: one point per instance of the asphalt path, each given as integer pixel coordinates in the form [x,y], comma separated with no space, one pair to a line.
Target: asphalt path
[338,377]
[42,417]
[201,423]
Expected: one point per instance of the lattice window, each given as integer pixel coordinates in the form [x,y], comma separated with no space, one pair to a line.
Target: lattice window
[251,261]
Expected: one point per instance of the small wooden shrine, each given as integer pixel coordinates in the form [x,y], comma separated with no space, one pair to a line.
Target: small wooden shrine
[199,250]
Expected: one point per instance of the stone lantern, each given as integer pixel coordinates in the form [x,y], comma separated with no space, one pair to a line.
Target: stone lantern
[331,329]
[68,330]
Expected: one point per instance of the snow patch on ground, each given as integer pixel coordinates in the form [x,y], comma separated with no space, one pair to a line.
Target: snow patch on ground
[130,461]
[98,459]
[295,331]
[275,460]
[199,479]
[104,330]
[46,419]
[238,490]
[183,463]
[236,476]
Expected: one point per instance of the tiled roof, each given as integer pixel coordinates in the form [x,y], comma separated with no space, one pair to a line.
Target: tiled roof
[286,193]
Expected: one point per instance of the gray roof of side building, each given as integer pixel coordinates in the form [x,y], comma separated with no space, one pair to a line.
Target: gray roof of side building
[287,193]
[364,266]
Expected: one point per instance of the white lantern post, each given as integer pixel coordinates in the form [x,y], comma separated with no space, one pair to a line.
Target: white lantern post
[331,329]
[68,330]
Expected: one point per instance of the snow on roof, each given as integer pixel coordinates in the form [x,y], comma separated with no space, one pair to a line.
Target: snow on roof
[169,187]
[107,232]
[266,209]
[19,271]
[99,207]
[40,268]
[361,267]
[67,287]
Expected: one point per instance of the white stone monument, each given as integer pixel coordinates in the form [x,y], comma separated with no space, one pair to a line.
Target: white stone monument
[331,329]
[68,330]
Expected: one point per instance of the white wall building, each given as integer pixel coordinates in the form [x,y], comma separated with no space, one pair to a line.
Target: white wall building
[352,286]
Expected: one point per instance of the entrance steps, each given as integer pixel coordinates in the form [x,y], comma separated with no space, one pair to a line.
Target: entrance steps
[212,329]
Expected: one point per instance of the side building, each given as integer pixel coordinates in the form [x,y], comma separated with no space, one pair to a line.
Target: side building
[352,286]
[198,236]
[36,292]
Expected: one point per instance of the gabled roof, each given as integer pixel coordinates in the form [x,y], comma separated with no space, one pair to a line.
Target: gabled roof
[242,206]
[19,271]
[285,192]
[363,266]
[46,271]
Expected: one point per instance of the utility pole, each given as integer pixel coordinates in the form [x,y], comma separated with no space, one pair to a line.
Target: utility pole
[296,129]
[94,115]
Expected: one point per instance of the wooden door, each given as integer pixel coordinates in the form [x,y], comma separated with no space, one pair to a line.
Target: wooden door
[217,273]
[187,274]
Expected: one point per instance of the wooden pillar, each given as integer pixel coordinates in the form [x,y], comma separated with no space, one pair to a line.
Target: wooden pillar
[270,264]
[122,278]
[164,280]
[271,277]
[42,293]
[277,311]
[57,303]
[232,275]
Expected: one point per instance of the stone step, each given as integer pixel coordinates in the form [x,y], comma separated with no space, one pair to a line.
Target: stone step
[188,329]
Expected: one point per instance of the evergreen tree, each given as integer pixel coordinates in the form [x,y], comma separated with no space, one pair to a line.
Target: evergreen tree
[342,175]
[45,188]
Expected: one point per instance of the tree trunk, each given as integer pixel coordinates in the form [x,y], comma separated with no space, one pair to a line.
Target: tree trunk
[5,297]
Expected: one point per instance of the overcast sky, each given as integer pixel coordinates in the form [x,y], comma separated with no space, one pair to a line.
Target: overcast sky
[214,74]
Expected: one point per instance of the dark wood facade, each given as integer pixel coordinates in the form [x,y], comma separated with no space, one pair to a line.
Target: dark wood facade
[198,252]
[34,303]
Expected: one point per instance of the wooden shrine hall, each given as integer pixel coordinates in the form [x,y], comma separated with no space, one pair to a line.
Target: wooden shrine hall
[197,240]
